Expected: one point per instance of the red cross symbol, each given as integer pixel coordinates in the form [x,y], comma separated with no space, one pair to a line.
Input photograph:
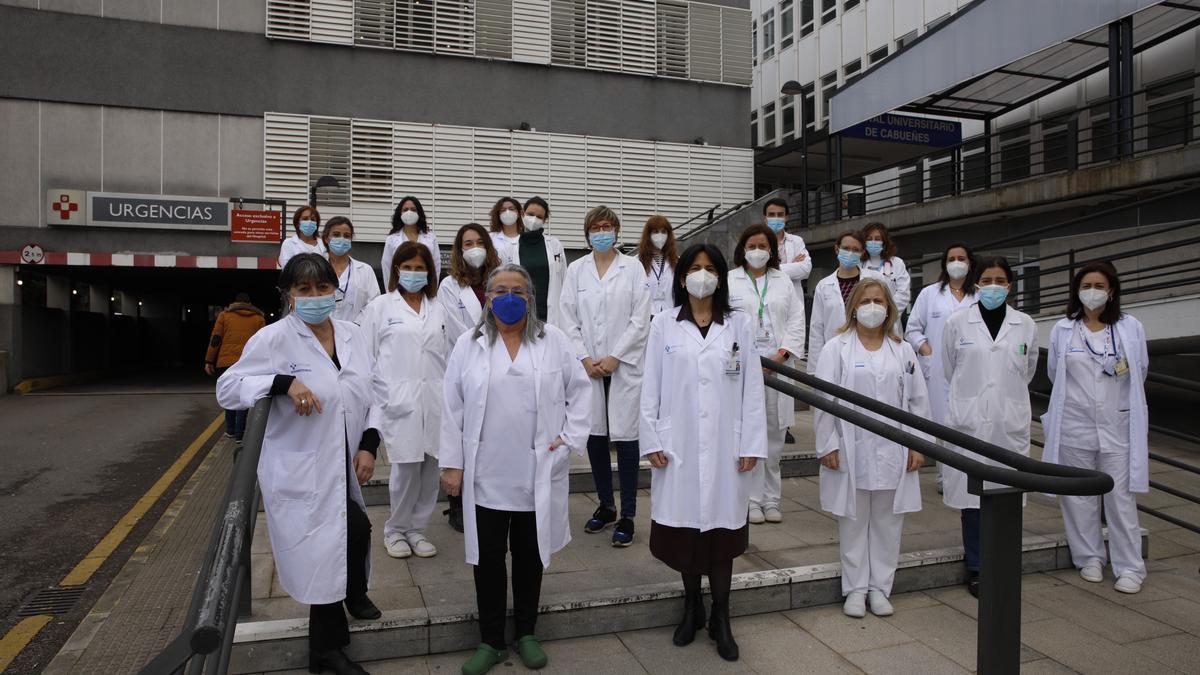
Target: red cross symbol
[65,207]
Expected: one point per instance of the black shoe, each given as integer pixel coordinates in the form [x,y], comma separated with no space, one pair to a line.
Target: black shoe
[334,660]
[623,533]
[720,631]
[788,437]
[455,512]
[693,620]
[602,518]
[362,608]
[973,583]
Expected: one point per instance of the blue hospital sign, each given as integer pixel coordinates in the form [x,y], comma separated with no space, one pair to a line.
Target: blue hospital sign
[908,129]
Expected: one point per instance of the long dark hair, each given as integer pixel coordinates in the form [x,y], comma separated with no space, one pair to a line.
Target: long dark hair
[994,261]
[1112,311]
[463,273]
[944,278]
[407,251]
[721,296]
[646,247]
[397,224]
[739,251]
[889,245]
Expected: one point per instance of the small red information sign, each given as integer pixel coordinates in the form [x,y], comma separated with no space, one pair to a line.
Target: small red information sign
[255,226]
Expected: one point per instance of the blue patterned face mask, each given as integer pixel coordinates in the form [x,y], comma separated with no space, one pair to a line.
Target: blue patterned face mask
[340,246]
[313,310]
[992,296]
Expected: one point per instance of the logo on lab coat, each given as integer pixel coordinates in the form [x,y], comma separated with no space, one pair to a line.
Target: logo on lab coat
[299,368]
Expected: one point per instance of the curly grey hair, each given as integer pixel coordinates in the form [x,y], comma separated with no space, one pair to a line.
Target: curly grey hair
[534,327]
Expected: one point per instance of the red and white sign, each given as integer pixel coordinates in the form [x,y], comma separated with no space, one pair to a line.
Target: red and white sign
[66,207]
[33,254]
[255,226]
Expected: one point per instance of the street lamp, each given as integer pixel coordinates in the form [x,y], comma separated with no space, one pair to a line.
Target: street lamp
[323,181]
[791,88]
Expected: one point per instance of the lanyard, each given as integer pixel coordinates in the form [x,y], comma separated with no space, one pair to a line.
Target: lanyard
[762,295]
[662,266]
[1110,340]
[349,275]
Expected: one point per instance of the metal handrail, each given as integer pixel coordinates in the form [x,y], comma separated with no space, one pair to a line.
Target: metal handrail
[223,587]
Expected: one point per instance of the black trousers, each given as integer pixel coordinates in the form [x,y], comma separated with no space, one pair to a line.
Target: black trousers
[328,627]
[498,532]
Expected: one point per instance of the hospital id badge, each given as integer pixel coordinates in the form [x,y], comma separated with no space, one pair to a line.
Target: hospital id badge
[1122,368]
[733,364]
[764,341]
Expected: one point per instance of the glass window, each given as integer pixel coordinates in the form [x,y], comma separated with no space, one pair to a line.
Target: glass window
[828,86]
[974,165]
[808,107]
[878,55]
[1104,139]
[1015,154]
[787,113]
[768,34]
[849,4]
[787,24]
[1169,114]
[853,67]
[754,41]
[1054,143]
[828,10]
[806,17]
[754,129]
[768,124]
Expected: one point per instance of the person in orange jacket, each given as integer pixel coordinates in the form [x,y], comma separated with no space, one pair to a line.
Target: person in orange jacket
[232,330]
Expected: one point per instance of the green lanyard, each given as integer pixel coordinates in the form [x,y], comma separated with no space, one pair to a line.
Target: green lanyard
[762,296]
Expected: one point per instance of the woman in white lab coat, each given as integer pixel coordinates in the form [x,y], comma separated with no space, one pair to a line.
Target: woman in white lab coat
[407,332]
[880,256]
[305,222]
[867,481]
[506,226]
[656,252]
[543,257]
[357,285]
[1097,420]
[317,450]
[516,404]
[703,430]
[989,356]
[953,290]
[409,224]
[758,288]
[829,297]
[606,313]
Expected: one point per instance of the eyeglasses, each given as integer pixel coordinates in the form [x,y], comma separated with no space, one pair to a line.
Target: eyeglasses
[501,290]
[602,228]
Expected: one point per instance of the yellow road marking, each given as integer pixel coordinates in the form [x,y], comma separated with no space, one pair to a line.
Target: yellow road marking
[20,635]
[92,562]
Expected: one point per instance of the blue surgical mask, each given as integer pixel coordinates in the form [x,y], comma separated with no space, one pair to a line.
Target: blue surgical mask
[413,280]
[776,224]
[602,241]
[314,309]
[849,259]
[992,296]
[875,248]
[308,227]
[340,246]
[509,308]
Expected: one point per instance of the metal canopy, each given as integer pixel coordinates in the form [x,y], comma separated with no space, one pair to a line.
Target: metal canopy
[998,55]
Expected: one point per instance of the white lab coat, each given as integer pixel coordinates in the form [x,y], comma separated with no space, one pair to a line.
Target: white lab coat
[662,287]
[461,308]
[989,389]
[506,249]
[294,246]
[556,257]
[561,394]
[305,461]
[791,246]
[703,418]
[838,488]
[610,317]
[828,314]
[785,313]
[926,322]
[410,351]
[1131,338]
[899,281]
[357,287]
[394,241]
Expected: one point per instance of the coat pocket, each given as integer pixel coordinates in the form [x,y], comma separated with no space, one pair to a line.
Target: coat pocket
[402,398]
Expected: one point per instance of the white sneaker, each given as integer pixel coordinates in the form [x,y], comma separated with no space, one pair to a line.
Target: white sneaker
[773,514]
[756,516]
[1128,584]
[855,606]
[879,604]
[422,547]
[1092,572]
[396,546]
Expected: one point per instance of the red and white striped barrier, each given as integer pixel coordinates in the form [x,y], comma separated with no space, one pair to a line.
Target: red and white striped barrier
[73,259]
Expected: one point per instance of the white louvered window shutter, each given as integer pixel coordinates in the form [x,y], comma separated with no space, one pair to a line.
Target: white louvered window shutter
[371,179]
[704,42]
[531,168]
[454,27]
[531,31]
[494,28]
[637,187]
[414,25]
[568,32]
[737,176]
[604,34]
[375,23]
[736,48]
[604,178]
[493,171]
[329,155]
[568,188]
[704,178]
[285,159]
[332,21]
[288,19]
[671,169]
[413,166]
[453,178]
[672,57]
[638,27]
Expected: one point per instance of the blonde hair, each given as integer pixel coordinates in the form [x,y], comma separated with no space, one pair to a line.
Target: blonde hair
[600,213]
[893,313]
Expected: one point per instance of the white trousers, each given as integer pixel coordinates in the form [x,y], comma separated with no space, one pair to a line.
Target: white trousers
[766,483]
[1081,516]
[413,491]
[870,543]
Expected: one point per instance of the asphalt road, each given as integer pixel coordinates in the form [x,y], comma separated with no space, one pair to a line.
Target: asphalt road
[72,462]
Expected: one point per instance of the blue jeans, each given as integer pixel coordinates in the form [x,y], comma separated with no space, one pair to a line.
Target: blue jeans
[628,457]
[235,423]
[970,535]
